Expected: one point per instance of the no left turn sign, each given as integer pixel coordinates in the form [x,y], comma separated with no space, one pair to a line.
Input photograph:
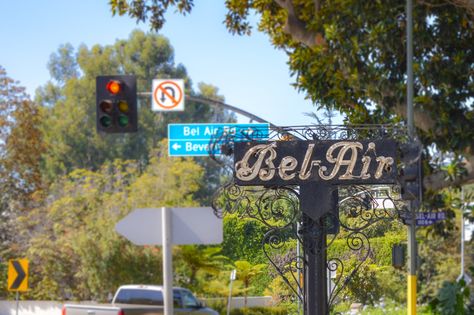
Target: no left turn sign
[168,95]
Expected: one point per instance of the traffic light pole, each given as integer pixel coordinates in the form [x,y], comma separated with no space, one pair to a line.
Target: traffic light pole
[222,105]
[411,283]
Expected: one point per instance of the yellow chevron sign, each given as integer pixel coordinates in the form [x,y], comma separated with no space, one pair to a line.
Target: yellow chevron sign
[18,275]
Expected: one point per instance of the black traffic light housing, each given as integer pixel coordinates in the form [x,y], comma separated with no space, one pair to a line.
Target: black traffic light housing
[410,172]
[116,105]
[398,256]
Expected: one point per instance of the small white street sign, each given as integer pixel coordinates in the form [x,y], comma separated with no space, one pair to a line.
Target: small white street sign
[233,275]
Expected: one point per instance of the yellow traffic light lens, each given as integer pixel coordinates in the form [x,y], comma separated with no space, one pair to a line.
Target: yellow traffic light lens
[123,106]
[106,106]
[114,87]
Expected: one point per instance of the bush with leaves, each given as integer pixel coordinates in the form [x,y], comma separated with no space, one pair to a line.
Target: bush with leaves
[452,299]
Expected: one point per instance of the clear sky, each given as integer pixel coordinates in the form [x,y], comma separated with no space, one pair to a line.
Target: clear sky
[248,71]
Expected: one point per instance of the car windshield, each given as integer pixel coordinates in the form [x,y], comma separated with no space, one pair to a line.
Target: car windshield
[138,296]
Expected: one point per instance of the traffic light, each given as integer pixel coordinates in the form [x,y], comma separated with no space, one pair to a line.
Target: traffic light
[398,256]
[116,103]
[410,173]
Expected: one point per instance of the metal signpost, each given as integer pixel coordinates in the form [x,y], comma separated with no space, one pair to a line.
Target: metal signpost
[193,139]
[168,226]
[233,274]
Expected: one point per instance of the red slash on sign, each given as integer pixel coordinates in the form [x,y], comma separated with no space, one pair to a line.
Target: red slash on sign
[168,95]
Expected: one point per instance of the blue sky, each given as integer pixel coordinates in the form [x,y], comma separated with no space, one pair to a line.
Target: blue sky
[249,72]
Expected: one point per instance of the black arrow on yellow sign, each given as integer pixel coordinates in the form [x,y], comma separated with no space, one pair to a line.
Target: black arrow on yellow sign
[18,275]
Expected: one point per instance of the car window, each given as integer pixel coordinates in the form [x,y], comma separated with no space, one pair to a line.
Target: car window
[177,303]
[138,296]
[189,301]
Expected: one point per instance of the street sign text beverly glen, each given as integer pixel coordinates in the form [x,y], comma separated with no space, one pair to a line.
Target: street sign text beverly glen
[193,139]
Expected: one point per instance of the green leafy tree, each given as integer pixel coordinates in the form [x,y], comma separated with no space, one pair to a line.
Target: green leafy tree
[197,262]
[20,142]
[20,177]
[246,272]
[73,247]
[243,239]
[280,291]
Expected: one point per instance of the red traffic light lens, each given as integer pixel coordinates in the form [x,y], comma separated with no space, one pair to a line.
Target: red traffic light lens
[106,106]
[114,86]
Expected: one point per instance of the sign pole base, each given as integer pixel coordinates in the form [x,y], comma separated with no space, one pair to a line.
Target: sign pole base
[17,301]
[411,294]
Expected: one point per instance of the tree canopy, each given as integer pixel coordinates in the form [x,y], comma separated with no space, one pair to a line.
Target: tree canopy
[351,56]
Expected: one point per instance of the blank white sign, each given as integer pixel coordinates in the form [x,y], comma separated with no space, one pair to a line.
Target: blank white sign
[188,226]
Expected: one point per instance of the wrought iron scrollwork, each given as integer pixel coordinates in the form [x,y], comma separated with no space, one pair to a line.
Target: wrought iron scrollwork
[275,207]
[278,209]
[275,245]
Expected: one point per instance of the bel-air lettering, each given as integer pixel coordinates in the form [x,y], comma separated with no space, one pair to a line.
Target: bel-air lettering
[343,161]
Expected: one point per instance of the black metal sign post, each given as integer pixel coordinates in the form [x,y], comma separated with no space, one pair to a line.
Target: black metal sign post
[317,167]
[318,200]
[315,275]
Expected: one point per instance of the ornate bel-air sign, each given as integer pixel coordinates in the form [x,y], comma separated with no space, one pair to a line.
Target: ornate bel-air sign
[330,161]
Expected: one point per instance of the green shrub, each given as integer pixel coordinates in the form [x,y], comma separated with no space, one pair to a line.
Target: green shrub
[452,299]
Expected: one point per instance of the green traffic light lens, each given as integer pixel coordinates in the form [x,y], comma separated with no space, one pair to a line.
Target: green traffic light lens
[123,121]
[106,121]
[106,106]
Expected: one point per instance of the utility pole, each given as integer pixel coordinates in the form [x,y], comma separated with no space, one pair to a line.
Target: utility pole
[462,233]
[464,276]
[412,252]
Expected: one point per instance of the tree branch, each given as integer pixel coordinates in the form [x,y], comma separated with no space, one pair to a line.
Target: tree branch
[466,4]
[297,28]
[438,180]
[422,119]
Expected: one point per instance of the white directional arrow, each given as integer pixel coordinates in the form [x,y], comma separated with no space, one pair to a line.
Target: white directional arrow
[249,131]
[176,146]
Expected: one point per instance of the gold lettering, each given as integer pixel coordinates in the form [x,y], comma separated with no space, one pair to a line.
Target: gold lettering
[365,167]
[340,161]
[305,173]
[245,172]
[288,163]
[384,163]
